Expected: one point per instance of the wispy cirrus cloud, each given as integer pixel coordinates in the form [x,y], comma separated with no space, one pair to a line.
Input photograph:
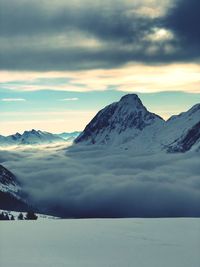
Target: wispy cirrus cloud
[130,78]
[13,99]
[70,99]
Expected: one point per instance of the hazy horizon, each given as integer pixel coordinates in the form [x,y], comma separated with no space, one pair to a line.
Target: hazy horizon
[76,120]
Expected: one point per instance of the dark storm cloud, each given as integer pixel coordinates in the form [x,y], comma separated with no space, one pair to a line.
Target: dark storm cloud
[183,19]
[39,35]
[78,58]
[33,21]
[106,21]
[92,182]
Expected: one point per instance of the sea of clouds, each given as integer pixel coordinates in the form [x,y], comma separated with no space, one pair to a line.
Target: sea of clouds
[90,181]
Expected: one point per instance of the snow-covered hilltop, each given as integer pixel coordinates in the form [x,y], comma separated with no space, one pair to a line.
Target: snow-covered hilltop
[129,124]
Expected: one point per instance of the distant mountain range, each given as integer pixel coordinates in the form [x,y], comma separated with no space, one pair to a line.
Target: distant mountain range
[129,125]
[35,137]
[126,124]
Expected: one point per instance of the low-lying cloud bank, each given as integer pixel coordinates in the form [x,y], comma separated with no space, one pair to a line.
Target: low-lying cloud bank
[89,182]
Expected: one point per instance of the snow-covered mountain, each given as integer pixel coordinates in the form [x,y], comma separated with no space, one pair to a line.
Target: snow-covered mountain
[36,137]
[130,125]
[69,136]
[4,141]
[119,122]
[10,191]
[182,133]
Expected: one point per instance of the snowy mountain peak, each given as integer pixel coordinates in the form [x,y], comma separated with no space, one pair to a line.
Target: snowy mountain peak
[16,136]
[131,103]
[118,122]
[129,124]
[34,131]
[131,99]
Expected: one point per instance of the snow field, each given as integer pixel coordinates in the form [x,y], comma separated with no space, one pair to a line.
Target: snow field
[101,243]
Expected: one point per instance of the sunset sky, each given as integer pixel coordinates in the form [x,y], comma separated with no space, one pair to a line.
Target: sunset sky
[61,61]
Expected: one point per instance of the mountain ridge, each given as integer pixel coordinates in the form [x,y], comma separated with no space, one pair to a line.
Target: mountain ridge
[127,123]
[36,137]
[118,119]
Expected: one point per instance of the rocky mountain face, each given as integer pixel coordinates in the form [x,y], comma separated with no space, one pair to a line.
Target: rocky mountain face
[8,181]
[129,124]
[187,140]
[10,191]
[119,122]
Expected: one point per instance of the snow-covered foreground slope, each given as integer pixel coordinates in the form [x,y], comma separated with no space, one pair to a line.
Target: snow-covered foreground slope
[101,243]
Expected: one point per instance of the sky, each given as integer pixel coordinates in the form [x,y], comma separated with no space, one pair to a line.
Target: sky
[62,61]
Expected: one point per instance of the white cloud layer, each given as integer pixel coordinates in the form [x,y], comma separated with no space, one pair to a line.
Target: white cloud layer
[130,78]
[13,99]
[70,99]
[91,182]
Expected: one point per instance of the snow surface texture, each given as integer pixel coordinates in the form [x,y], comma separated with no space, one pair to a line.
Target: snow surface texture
[97,243]
[81,181]
[130,125]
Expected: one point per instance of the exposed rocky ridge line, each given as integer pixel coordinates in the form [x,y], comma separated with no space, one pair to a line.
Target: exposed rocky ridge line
[114,121]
